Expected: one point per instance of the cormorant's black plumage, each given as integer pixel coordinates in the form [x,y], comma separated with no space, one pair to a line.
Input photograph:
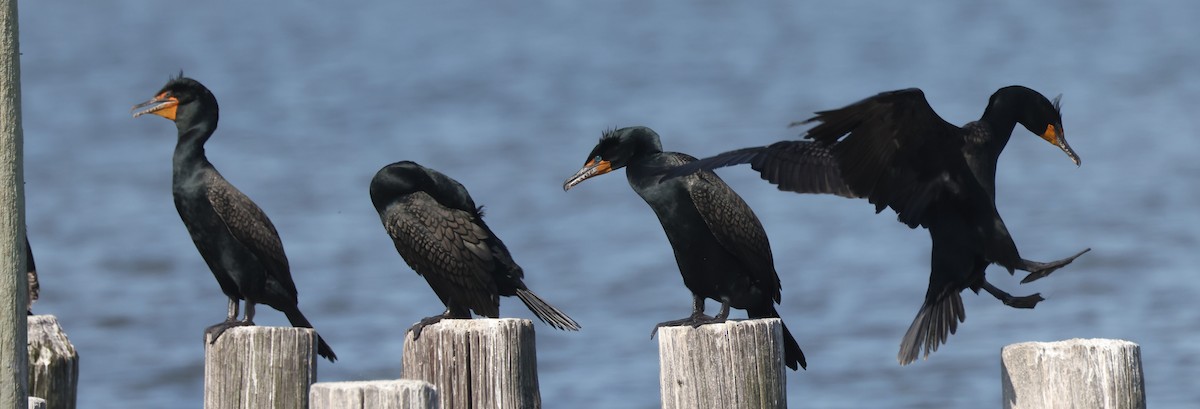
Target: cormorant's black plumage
[31,276]
[720,246]
[440,233]
[235,238]
[895,151]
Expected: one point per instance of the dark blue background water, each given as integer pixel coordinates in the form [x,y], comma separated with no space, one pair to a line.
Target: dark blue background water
[509,99]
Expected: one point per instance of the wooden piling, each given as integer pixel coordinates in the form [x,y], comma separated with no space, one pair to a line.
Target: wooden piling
[260,367]
[53,363]
[393,394]
[13,361]
[1077,373]
[737,364]
[476,363]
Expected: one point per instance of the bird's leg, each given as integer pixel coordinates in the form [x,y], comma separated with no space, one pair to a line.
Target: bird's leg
[233,310]
[723,314]
[230,320]
[1028,301]
[696,319]
[424,322]
[1038,270]
[249,319]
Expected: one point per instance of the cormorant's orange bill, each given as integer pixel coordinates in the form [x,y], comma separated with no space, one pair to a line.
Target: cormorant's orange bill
[162,105]
[1051,134]
[1055,136]
[594,167]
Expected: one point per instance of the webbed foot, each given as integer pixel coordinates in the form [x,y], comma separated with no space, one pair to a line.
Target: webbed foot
[1037,270]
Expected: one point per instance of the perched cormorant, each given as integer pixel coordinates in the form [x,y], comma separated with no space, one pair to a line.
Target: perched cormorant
[895,151]
[233,235]
[720,246]
[440,233]
[31,277]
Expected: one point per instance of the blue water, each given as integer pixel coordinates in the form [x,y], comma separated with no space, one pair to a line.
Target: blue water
[509,99]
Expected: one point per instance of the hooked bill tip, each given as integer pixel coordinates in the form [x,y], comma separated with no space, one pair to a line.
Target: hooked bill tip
[583,174]
[1071,153]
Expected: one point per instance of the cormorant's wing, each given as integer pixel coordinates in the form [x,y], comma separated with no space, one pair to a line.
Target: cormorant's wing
[448,248]
[793,166]
[451,194]
[895,150]
[734,225]
[251,227]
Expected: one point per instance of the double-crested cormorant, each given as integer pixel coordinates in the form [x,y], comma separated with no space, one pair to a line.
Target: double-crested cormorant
[720,246]
[233,235]
[895,151]
[31,277]
[440,233]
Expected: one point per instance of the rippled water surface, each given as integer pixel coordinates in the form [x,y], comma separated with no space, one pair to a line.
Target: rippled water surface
[509,99]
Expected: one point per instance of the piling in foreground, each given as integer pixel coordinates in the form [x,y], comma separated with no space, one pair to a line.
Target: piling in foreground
[393,394]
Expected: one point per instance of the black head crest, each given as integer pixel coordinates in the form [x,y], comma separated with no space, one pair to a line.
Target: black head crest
[610,133]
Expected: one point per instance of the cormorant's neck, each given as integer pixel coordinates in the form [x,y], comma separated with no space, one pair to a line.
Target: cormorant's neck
[986,140]
[646,169]
[189,148]
[999,119]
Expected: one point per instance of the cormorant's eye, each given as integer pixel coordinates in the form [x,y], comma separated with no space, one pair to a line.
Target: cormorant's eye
[597,159]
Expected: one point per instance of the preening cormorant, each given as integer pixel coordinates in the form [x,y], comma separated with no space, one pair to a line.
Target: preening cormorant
[233,235]
[895,151]
[720,246]
[440,233]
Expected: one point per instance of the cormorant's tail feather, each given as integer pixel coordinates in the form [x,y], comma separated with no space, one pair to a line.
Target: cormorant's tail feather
[545,312]
[932,327]
[793,357]
[297,319]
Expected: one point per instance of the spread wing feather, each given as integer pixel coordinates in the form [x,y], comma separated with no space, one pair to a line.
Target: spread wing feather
[793,166]
[895,150]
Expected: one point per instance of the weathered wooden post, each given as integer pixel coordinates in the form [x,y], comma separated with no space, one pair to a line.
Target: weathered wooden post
[476,363]
[1076,373]
[37,403]
[53,363]
[393,394]
[737,364]
[260,367]
[13,361]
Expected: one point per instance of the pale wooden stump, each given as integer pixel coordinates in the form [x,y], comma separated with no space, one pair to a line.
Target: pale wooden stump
[394,394]
[53,363]
[37,403]
[12,208]
[1077,373]
[260,367]
[737,364]
[476,363]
